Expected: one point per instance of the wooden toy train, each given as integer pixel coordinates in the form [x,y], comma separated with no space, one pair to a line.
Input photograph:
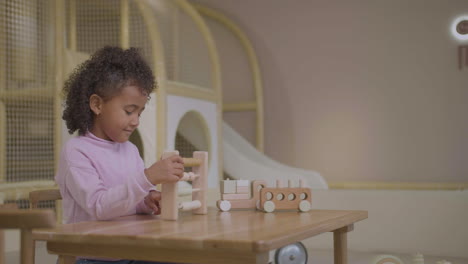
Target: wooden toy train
[235,195]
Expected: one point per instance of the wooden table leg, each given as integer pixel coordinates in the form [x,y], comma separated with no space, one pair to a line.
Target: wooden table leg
[27,249]
[262,258]
[2,247]
[66,259]
[340,244]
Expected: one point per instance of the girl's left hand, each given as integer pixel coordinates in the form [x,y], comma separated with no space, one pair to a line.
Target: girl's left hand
[152,201]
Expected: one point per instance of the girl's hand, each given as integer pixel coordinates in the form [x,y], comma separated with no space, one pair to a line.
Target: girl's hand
[152,201]
[166,170]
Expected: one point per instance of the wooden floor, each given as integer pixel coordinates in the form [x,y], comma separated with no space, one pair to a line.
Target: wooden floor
[315,257]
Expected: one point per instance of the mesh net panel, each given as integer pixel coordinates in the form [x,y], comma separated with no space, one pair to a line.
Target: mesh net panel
[139,34]
[27,88]
[24,204]
[26,91]
[97,24]
[185,50]
[185,148]
[30,146]
[193,64]
[236,72]
[27,61]
[191,135]
[237,81]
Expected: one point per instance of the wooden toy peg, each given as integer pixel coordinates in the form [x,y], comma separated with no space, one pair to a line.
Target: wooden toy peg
[301,183]
[189,176]
[187,206]
[279,183]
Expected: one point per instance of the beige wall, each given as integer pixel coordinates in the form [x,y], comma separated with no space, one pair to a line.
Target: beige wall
[361,90]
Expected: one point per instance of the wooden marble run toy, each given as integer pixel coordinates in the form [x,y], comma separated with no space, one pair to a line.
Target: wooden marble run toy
[198,176]
[235,195]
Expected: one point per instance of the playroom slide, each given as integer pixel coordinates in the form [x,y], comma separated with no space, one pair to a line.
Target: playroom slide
[244,161]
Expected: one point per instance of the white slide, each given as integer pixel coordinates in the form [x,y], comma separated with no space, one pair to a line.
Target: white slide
[243,161]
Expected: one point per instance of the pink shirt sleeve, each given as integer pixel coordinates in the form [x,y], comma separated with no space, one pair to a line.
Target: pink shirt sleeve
[104,203]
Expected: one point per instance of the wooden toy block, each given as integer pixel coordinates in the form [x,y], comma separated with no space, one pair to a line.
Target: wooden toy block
[243,183]
[235,196]
[228,186]
[242,189]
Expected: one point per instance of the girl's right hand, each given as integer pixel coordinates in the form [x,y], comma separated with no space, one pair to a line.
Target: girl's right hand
[166,170]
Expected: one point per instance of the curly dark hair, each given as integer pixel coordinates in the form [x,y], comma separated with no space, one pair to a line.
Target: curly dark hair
[106,73]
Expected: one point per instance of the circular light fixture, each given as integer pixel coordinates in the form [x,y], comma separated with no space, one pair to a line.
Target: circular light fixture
[459,28]
[462,27]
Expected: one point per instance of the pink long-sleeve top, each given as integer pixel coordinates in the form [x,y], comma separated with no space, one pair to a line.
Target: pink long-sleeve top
[101,180]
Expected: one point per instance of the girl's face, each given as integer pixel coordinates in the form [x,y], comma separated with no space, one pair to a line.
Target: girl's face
[118,117]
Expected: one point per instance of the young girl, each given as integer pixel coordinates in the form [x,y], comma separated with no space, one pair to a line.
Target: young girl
[101,174]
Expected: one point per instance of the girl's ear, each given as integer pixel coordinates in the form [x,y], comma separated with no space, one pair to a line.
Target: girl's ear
[95,103]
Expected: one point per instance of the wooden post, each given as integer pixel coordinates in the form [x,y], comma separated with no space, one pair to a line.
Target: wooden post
[169,208]
[201,182]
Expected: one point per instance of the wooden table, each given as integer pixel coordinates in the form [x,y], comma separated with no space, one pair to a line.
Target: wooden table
[218,237]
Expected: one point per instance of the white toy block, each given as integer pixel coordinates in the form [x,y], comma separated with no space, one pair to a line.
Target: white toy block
[228,186]
[243,183]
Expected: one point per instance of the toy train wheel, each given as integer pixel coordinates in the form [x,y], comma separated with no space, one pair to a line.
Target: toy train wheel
[291,254]
[224,205]
[304,206]
[269,206]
